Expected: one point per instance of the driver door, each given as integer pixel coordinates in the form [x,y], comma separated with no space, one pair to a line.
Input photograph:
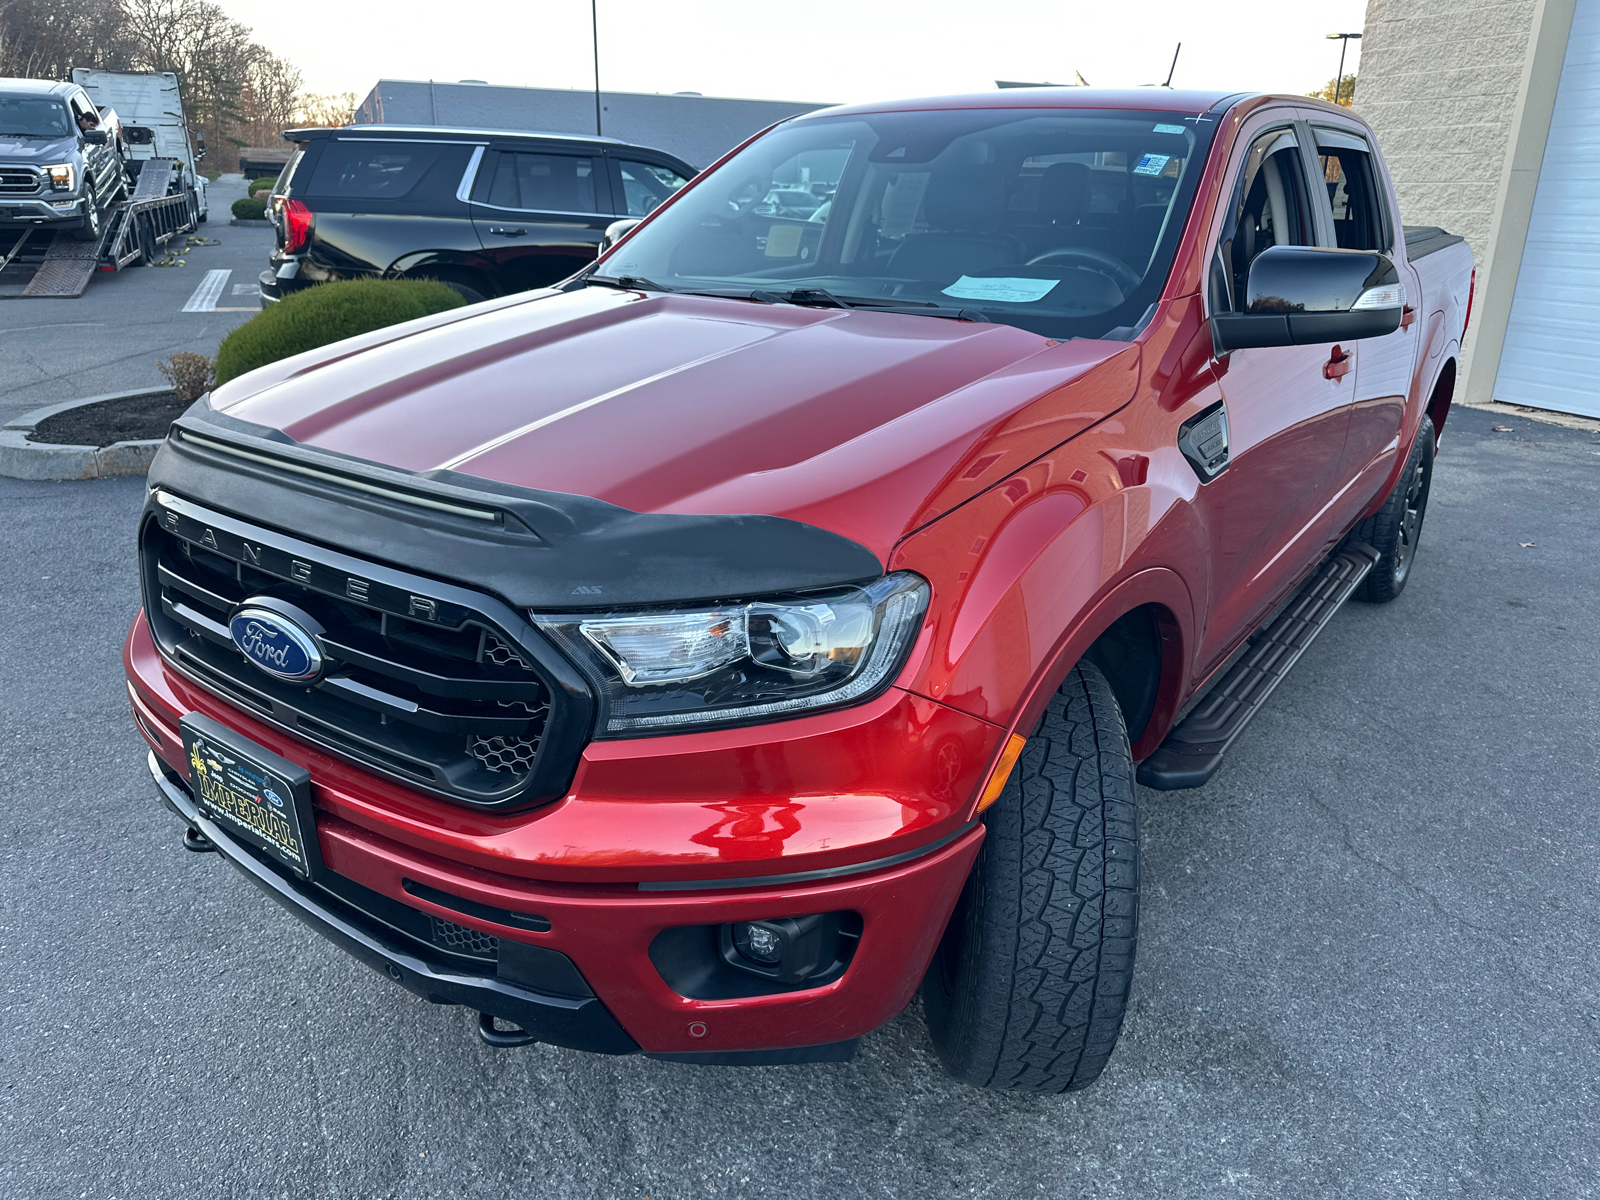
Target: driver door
[1288,411]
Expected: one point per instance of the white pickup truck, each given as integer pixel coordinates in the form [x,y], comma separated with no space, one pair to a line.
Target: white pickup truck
[153,126]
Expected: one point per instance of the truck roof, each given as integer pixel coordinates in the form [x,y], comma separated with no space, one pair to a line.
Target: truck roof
[36,87]
[1152,99]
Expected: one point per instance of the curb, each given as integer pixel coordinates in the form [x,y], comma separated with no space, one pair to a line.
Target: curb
[256,224]
[22,459]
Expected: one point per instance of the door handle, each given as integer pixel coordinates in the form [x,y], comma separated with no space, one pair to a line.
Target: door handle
[1337,366]
[1407,316]
[508,230]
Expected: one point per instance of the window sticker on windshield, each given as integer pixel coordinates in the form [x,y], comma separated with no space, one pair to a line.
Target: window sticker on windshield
[1007,291]
[1167,129]
[783,241]
[1152,164]
[902,197]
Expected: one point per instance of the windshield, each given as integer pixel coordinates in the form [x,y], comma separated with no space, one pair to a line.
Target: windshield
[33,116]
[1061,222]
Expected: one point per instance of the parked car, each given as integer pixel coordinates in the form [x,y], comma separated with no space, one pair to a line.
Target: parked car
[487,212]
[62,160]
[698,656]
[150,107]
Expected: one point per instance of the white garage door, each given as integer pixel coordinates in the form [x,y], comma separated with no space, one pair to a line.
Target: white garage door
[1552,349]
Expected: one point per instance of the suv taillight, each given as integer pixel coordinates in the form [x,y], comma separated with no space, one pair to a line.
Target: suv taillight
[296,227]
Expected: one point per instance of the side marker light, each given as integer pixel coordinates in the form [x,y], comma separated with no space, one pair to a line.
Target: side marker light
[1002,771]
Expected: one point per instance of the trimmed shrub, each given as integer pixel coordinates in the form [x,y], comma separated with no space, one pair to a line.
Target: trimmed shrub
[266,181]
[249,210]
[329,312]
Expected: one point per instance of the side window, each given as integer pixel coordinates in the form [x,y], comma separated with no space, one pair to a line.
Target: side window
[544,182]
[1273,206]
[1354,192]
[82,108]
[645,186]
[371,170]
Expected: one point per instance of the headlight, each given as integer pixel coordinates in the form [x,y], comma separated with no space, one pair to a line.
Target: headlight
[666,671]
[62,177]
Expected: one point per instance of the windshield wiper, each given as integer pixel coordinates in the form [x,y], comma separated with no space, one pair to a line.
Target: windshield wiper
[809,296]
[24,133]
[632,283]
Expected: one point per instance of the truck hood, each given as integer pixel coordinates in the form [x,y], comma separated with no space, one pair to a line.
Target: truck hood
[866,424]
[36,150]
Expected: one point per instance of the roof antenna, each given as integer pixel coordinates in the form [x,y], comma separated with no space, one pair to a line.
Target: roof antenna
[1174,66]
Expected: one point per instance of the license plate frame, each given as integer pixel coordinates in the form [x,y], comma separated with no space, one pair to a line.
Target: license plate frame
[252,794]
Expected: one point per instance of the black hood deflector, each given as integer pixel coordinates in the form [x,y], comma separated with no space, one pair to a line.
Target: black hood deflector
[532,548]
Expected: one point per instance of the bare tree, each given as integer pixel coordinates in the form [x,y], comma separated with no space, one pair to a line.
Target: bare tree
[333,109]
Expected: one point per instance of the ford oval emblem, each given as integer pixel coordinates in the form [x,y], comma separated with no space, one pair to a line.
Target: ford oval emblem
[280,639]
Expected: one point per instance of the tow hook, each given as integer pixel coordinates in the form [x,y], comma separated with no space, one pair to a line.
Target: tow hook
[197,842]
[502,1039]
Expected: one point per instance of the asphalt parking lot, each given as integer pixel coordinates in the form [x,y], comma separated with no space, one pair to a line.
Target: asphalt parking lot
[1367,967]
[110,338]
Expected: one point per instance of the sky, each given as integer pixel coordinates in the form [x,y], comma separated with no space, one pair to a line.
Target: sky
[817,50]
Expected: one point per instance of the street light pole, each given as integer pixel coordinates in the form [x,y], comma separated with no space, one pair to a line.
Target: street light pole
[1338,80]
[594,26]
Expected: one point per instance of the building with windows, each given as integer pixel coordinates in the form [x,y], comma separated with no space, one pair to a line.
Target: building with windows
[698,129]
[1488,112]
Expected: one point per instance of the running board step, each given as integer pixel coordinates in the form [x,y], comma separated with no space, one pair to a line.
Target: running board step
[1193,750]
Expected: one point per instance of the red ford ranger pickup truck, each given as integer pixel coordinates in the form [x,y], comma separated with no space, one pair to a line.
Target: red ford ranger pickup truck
[698,657]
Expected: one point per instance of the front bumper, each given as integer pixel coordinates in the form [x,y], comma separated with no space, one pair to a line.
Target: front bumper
[578,1022]
[40,211]
[655,835]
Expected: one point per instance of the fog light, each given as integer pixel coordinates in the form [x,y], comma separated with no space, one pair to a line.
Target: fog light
[759,943]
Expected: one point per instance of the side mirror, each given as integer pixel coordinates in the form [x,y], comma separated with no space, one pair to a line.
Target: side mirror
[95,137]
[616,231]
[1305,295]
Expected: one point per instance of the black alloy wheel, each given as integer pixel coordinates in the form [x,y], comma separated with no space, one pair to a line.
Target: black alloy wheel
[1395,530]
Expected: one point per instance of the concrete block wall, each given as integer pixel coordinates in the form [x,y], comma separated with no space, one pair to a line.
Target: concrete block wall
[1439,83]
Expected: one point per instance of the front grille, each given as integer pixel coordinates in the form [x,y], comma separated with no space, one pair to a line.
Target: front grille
[446,699]
[20,181]
[504,754]
[461,940]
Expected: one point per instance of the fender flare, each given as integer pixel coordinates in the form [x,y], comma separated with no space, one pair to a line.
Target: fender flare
[1159,586]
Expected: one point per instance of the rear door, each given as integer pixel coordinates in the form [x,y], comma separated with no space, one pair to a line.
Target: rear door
[1360,219]
[387,204]
[1288,407]
[540,213]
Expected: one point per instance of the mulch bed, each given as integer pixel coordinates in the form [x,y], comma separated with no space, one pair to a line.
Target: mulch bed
[136,419]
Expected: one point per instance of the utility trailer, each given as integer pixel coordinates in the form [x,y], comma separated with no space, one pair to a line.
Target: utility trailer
[134,232]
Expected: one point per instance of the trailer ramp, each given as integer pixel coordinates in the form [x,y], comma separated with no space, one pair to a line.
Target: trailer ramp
[66,270]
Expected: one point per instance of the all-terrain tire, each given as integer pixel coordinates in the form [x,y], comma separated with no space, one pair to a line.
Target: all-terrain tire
[1029,985]
[1394,530]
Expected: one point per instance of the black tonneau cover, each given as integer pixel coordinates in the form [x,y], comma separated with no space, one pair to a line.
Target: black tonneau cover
[1423,240]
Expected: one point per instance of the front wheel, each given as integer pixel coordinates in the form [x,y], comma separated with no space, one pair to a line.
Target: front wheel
[1396,528]
[1028,987]
[88,229]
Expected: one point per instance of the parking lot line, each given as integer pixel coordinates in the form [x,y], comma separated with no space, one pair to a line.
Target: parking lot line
[210,290]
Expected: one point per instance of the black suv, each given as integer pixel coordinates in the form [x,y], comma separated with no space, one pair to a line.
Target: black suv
[486,211]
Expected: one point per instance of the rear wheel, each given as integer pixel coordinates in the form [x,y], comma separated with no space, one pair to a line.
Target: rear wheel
[1396,528]
[1029,985]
